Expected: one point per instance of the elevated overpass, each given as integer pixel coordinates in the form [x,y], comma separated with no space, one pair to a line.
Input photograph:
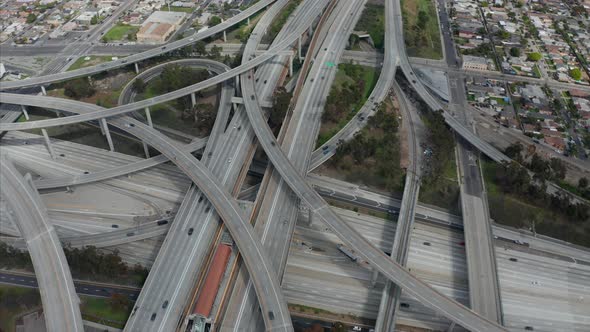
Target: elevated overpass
[60,303]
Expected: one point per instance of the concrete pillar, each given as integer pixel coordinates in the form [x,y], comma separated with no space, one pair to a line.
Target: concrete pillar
[291,66]
[136,68]
[374,277]
[235,107]
[193,99]
[451,327]
[25,112]
[248,20]
[310,32]
[107,133]
[148,116]
[43,90]
[224,37]
[102,132]
[146,150]
[29,179]
[48,142]
[299,48]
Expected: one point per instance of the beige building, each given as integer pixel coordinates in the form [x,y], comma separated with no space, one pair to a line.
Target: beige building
[159,26]
[474,63]
[154,32]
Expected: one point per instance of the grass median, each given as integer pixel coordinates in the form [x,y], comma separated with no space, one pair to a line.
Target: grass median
[421,29]
[350,90]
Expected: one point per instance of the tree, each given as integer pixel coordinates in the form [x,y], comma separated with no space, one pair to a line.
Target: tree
[31,18]
[540,167]
[558,169]
[214,20]
[576,74]
[503,34]
[139,85]
[119,302]
[513,151]
[515,51]
[583,183]
[338,327]
[353,40]
[78,88]
[200,48]
[281,101]
[215,52]
[422,19]
[204,117]
[94,20]
[314,328]
[534,56]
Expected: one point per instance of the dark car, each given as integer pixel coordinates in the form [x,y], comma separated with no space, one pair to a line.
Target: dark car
[165,304]
[153,317]
[190,231]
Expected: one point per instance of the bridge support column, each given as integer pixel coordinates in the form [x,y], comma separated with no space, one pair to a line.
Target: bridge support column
[43,90]
[237,78]
[25,113]
[146,150]
[193,99]
[29,180]
[148,116]
[374,278]
[291,66]
[107,133]
[136,68]
[299,48]
[48,142]
[224,37]
[451,327]
[248,20]
[310,32]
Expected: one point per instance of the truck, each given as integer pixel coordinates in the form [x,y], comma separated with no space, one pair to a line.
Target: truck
[348,252]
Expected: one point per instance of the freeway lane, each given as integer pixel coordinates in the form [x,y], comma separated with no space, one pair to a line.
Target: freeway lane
[113,172]
[82,287]
[484,293]
[60,302]
[390,300]
[383,263]
[277,207]
[119,110]
[40,80]
[275,312]
[386,78]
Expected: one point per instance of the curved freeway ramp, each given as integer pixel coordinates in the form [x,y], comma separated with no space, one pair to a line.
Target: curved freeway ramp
[60,302]
[120,110]
[274,309]
[46,79]
[388,267]
[114,172]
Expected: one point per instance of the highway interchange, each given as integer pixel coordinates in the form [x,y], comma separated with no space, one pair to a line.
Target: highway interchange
[220,173]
